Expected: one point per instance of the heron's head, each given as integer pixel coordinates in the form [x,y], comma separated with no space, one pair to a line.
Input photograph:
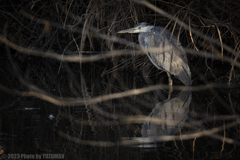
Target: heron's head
[140,27]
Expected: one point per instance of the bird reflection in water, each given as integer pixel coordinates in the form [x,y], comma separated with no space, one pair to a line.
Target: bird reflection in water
[166,119]
[174,110]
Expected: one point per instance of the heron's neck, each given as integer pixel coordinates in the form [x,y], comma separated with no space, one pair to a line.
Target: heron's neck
[147,29]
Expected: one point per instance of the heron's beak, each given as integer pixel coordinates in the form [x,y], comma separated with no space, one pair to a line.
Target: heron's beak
[131,30]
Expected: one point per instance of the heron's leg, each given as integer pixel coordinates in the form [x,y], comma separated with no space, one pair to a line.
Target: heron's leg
[170,82]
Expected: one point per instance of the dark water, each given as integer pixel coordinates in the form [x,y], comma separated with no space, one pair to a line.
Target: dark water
[188,125]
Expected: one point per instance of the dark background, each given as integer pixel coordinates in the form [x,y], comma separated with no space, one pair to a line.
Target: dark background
[88,28]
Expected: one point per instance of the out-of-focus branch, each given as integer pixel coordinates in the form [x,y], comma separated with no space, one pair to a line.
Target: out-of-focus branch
[54,55]
[84,59]
[210,132]
[60,101]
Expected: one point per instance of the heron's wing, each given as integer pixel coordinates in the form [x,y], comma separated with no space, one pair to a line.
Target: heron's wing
[163,38]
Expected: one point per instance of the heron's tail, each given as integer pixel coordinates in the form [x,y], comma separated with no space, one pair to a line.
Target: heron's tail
[185,75]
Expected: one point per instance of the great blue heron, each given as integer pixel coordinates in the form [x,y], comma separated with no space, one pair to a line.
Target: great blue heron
[170,56]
